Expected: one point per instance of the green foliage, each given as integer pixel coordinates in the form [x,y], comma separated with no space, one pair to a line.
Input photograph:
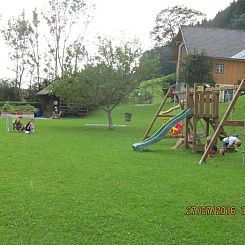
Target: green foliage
[239,23]
[197,69]
[7,108]
[8,91]
[23,104]
[149,65]
[169,80]
[28,107]
[12,107]
[164,55]
[231,17]
[152,90]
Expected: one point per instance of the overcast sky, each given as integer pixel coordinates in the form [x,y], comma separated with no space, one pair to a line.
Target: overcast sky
[113,18]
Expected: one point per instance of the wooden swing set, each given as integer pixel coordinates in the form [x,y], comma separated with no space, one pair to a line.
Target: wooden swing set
[204,104]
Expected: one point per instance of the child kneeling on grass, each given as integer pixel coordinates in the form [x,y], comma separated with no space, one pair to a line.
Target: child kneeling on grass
[229,143]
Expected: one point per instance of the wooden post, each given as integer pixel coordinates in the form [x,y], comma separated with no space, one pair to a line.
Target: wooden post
[213,105]
[187,91]
[187,132]
[207,106]
[226,115]
[217,106]
[207,129]
[201,114]
[195,116]
[157,114]
[187,121]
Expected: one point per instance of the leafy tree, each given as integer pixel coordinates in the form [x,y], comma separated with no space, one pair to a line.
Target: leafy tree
[169,20]
[104,83]
[16,35]
[239,23]
[8,90]
[164,57]
[149,65]
[197,69]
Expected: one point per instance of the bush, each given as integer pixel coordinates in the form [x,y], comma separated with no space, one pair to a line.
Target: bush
[17,103]
[9,107]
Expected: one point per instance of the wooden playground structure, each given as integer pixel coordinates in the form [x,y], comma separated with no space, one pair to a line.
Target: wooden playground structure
[204,104]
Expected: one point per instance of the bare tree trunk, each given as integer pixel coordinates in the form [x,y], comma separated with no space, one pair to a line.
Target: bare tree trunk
[110,124]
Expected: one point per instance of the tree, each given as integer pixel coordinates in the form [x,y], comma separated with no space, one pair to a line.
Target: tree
[8,90]
[16,35]
[35,56]
[105,82]
[169,20]
[62,17]
[163,57]
[239,23]
[149,65]
[197,69]
[231,17]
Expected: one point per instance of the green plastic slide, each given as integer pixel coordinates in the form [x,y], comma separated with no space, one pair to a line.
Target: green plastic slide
[159,135]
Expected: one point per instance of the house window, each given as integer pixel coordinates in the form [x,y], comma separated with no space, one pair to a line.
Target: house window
[220,68]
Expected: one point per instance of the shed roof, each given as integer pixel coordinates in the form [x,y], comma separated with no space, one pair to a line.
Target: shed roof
[215,42]
[44,91]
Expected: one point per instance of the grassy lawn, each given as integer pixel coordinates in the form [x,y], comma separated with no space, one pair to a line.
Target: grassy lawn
[76,184]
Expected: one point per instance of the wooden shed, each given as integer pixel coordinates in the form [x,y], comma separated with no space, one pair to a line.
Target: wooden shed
[52,105]
[48,101]
[226,47]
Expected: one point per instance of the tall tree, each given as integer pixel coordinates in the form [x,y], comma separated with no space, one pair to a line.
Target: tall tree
[17,35]
[169,20]
[35,55]
[62,18]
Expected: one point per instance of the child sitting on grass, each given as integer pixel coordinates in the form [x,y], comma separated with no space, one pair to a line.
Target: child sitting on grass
[18,125]
[29,127]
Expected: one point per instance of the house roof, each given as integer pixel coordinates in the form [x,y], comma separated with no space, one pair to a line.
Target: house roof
[44,91]
[215,42]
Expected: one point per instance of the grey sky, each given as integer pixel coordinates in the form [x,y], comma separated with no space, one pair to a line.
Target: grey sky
[113,18]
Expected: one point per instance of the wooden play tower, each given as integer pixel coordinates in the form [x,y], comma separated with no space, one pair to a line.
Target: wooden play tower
[204,103]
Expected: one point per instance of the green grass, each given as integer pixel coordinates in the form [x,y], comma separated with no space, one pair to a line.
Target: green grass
[75,184]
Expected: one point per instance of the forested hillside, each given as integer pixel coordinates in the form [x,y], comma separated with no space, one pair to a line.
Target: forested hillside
[231,17]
